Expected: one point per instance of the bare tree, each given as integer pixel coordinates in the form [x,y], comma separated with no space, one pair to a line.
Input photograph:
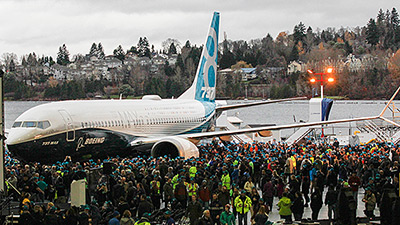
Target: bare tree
[167,43]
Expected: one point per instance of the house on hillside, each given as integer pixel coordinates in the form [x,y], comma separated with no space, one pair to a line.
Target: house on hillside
[144,61]
[61,72]
[353,63]
[247,73]
[112,62]
[172,59]
[158,60]
[295,66]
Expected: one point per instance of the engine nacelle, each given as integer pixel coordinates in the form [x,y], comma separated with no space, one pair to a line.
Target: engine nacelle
[173,147]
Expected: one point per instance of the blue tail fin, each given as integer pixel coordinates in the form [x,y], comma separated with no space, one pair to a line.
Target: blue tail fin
[203,87]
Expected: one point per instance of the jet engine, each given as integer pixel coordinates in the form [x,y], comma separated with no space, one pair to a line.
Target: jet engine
[173,147]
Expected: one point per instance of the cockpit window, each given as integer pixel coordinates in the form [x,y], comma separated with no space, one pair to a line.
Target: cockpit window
[29,124]
[32,124]
[17,124]
[43,124]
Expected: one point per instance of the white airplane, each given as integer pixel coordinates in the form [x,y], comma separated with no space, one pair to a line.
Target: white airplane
[98,128]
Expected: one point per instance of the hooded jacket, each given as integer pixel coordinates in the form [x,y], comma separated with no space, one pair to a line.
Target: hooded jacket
[284,205]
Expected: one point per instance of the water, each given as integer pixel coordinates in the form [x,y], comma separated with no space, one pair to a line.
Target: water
[277,113]
[295,111]
[15,108]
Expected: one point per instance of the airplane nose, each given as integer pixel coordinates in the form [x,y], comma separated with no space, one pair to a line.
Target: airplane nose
[19,135]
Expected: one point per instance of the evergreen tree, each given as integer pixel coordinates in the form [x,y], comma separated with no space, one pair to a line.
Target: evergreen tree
[187,44]
[227,60]
[93,50]
[172,49]
[133,50]
[12,66]
[63,56]
[126,90]
[119,53]
[23,62]
[294,54]
[143,47]
[348,48]
[100,51]
[168,69]
[51,61]
[179,62]
[299,32]
[395,27]
[372,33]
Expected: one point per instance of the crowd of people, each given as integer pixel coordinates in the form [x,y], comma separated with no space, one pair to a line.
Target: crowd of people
[230,183]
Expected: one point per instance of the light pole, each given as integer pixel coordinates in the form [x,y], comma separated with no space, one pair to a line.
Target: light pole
[329,71]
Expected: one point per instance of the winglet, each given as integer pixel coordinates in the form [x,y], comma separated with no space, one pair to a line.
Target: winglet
[390,101]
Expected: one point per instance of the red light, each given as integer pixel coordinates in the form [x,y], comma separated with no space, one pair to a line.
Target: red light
[312,80]
[330,79]
[310,71]
[329,70]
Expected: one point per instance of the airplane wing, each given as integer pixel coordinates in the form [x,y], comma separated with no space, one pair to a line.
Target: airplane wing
[236,106]
[277,127]
[288,126]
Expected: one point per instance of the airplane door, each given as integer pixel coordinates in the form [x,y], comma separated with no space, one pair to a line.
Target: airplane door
[70,136]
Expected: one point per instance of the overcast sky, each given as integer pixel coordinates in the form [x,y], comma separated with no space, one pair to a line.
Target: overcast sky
[41,26]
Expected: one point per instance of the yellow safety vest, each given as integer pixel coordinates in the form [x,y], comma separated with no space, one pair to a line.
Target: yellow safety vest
[192,189]
[226,181]
[158,186]
[192,171]
[239,204]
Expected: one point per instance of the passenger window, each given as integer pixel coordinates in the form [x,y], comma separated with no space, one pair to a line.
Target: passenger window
[17,124]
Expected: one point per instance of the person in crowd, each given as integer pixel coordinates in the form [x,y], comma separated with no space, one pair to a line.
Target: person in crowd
[298,206]
[115,219]
[168,191]
[168,218]
[370,201]
[206,218]
[216,208]
[204,194]
[194,210]
[249,185]
[227,217]
[285,205]
[255,197]
[126,218]
[181,193]
[261,217]
[242,204]
[331,200]
[355,183]
[316,203]
[145,206]
[144,220]
[51,217]
[25,217]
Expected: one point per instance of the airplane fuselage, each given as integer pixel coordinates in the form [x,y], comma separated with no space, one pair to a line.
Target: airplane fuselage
[97,128]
